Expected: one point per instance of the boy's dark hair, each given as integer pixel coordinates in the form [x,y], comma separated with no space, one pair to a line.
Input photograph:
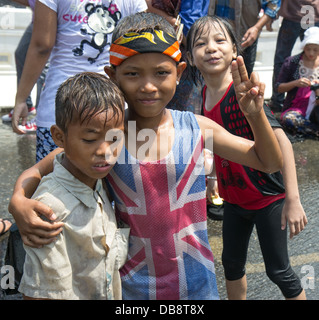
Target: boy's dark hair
[84,96]
[196,31]
[142,21]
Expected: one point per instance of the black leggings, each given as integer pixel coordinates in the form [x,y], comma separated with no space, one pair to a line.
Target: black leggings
[237,228]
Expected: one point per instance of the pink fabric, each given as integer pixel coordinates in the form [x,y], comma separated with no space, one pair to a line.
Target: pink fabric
[300,103]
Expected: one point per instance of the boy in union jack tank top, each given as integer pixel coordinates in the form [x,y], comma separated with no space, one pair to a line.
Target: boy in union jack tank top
[161,197]
[158,182]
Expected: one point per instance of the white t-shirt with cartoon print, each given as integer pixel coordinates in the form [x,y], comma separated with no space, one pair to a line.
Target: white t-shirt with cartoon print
[84,34]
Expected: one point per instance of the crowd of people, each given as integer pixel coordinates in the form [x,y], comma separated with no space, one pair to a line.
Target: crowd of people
[123,120]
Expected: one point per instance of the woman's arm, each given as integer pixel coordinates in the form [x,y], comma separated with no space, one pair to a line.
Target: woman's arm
[34,231]
[299,83]
[42,42]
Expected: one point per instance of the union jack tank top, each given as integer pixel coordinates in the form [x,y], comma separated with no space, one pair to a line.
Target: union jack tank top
[164,203]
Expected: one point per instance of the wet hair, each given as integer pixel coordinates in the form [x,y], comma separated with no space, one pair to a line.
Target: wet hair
[85,95]
[142,21]
[197,30]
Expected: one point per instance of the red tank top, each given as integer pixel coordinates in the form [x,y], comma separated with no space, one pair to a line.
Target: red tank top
[249,188]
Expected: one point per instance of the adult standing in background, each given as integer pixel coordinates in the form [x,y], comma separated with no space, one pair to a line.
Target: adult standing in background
[20,56]
[244,16]
[298,16]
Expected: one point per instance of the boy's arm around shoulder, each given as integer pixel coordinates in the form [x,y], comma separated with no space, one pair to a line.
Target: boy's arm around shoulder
[34,231]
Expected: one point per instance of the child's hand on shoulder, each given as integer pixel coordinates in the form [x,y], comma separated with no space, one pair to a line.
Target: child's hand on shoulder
[249,92]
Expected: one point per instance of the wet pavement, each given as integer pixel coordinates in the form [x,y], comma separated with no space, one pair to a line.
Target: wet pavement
[18,153]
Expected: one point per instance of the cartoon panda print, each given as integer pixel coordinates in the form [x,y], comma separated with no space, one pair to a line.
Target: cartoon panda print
[102,20]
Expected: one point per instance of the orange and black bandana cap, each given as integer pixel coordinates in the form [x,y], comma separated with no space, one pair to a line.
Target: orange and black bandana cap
[145,42]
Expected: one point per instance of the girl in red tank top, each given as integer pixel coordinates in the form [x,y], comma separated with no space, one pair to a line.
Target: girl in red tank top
[252,198]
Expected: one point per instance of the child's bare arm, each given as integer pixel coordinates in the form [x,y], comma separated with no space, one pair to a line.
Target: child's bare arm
[231,147]
[250,96]
[26,212]
[293,213]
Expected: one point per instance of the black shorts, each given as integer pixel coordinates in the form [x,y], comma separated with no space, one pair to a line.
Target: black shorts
[237,228]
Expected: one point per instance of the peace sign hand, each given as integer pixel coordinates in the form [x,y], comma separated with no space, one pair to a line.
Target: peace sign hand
[249,92]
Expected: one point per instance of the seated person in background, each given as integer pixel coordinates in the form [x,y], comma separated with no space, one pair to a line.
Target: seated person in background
[297,75]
